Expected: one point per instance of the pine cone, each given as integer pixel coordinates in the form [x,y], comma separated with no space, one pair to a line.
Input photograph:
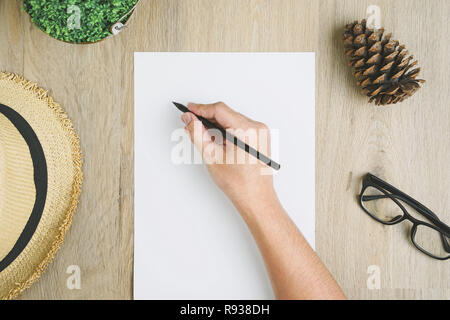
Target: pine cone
[380,64]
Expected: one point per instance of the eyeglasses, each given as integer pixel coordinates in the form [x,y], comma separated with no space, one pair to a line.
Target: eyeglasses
[388,205]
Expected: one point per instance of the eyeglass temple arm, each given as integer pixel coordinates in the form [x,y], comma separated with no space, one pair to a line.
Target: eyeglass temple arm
[421,209]
[428,214]
[412,202]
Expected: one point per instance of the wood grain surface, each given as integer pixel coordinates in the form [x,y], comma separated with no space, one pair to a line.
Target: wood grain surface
[407,145]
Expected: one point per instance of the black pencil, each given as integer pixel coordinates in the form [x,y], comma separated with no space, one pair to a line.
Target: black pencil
[209,125]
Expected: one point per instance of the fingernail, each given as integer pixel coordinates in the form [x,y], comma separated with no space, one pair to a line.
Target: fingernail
[190,105]
[186,118]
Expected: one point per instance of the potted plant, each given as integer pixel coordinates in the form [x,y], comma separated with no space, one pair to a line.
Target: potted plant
[80,21]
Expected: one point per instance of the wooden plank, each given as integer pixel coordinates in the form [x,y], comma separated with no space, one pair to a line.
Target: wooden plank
[398,294]
[408,145]
[11,37]
[86,80]
[94,83]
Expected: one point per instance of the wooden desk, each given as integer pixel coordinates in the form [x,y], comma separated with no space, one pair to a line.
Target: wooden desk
[408,144]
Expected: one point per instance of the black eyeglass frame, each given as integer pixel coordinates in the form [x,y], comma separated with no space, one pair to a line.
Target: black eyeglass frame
[394,194]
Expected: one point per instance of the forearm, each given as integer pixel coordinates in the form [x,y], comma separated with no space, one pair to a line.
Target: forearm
[295,270]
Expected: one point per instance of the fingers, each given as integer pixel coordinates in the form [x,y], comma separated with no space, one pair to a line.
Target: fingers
[203,139]
[209,111]
[195,129]
[220,113]
[253,133]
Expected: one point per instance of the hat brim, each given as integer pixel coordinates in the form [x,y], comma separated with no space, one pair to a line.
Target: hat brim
[42,237]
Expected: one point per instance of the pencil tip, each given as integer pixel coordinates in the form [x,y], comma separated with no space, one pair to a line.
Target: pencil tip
[180,107]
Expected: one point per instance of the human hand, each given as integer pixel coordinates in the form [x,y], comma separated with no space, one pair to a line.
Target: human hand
[295,270]
[243,178]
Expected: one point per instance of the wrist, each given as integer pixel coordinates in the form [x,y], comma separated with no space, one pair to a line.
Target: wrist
[255,204]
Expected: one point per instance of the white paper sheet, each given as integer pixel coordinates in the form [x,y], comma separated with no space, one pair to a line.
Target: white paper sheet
[190,242]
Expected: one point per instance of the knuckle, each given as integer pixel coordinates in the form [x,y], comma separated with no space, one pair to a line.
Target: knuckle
[262,126]
[220,105]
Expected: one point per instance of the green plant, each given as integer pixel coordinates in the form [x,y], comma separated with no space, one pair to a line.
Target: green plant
[95,17]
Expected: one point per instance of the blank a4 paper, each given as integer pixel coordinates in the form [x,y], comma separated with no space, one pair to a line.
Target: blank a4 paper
[190,242]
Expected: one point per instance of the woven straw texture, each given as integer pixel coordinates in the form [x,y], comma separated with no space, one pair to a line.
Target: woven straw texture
[17,191]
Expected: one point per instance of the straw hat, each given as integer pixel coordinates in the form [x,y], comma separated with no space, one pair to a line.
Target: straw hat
[40,181]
